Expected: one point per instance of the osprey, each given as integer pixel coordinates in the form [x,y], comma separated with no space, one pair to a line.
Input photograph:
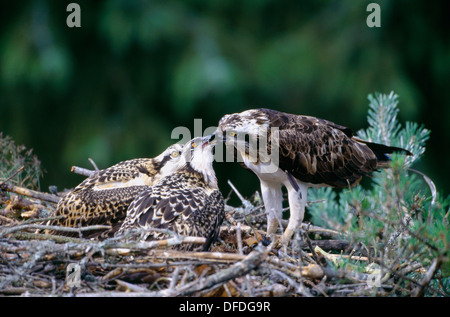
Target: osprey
[298,152]
[187,202]
[103,197]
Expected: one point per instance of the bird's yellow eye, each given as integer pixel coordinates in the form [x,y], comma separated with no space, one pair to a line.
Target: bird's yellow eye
[174,153]
[232,133]
[194,144]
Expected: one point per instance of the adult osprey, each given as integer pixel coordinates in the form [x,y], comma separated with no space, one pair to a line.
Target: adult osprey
[298,152]
[187,202]
[103,197]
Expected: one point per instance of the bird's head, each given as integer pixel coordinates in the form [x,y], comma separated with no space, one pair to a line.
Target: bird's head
[242,131]
[252,122]
[197,156]
[168,161]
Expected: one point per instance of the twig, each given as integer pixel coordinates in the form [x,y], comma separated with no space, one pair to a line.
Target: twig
[308,241]
[430,184]
[239,238]
[30,193]
[247,204]
[41,236]
[128,287]
[328,244]
[42,220]
[344,256]
[319,230]
[124,248]
[418,292]
[239,243]
[11,176]
[82,171]
[394,235]
[299,287]
[250,262]
[174,278]
[7,230]
[93,164]
[9,220]
[311,271]
[119,294]
[218,257]
[14,290]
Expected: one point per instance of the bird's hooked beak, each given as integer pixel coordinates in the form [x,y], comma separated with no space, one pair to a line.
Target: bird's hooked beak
[209,140]
[216,138]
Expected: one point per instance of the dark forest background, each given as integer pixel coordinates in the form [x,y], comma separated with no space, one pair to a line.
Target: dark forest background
[116,87]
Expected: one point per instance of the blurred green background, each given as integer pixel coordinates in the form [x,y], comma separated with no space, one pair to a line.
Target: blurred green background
[115,88]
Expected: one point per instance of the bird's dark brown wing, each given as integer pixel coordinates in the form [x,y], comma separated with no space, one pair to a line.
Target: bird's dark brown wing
[120,172]
[162,212]
[318,151]
[92,207]
[173,205]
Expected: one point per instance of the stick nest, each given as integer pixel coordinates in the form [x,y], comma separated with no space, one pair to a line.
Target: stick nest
[243,262]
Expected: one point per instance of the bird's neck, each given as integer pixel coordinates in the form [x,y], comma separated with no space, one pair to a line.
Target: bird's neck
[202,169]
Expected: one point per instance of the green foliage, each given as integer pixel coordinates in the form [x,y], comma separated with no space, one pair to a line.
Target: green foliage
[12,158]
[400,217]
[384,127]
[116,87]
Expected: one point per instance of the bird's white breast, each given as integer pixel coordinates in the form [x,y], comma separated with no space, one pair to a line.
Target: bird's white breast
[268,172]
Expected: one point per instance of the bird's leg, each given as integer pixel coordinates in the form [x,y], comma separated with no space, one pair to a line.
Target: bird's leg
[297,204]
[273,202]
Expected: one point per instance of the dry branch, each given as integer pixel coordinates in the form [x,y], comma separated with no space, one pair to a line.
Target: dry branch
[8,230]
[247,264]
[124,248]
[93,164]
[331,244]
[11,176]
[30,193]
[217,257]
[418,292]
[82,171]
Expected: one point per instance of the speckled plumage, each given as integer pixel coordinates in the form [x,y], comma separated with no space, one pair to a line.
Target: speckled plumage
[187,202]
[311,152]
[103,197]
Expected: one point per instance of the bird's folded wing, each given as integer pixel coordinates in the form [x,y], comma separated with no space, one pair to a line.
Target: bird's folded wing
[158,207]
[324,155]
[120,172]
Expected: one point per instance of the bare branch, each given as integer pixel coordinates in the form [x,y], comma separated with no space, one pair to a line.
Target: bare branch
[7,230]
[82,171]
[93,164]
[30,193]
[418,292]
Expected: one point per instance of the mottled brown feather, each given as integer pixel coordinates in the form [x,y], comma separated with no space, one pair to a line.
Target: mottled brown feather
[315,150]
[93,203]
[318,151]
[182,203]
[187,202]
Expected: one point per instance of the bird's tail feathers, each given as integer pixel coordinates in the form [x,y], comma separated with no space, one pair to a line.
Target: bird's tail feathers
[381,151]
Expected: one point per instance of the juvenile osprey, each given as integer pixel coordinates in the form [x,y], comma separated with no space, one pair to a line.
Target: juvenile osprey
[187,202]
[103,197]
[298,152]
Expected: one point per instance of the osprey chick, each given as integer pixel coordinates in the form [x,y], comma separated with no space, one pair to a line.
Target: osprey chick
[187,202]
[103,197]
[298,152]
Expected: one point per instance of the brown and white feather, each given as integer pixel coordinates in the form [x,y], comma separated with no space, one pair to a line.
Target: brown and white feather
[103,197]
[187,202]
[311,152]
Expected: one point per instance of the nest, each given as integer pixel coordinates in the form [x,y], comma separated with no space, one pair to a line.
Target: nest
[242,263]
